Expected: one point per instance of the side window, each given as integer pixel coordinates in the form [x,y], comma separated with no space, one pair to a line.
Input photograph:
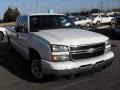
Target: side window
[99,16]
[64,22]
[104,16]
[80,18]
[18,21]
[24,22]
[34,23]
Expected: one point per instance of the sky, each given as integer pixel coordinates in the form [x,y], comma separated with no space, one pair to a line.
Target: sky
[59,6]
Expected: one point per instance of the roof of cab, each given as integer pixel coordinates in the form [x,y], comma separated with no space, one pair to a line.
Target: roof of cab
[44,14]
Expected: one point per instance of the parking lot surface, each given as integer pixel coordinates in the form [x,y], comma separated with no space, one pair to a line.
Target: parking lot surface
[14,73]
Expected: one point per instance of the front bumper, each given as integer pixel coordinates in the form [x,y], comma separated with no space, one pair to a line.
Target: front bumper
[72,67]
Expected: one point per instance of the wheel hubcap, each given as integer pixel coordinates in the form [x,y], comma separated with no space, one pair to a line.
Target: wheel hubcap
[98,23]
[88,25]
[37,69]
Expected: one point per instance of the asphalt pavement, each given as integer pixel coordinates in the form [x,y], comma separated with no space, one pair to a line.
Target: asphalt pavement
[14,73]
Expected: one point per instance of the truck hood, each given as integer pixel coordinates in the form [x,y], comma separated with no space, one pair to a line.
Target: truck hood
[71,36]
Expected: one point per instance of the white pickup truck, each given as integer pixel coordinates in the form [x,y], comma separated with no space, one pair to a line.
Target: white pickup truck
[53,45]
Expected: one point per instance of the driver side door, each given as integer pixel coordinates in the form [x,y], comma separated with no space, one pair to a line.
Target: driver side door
[22,37]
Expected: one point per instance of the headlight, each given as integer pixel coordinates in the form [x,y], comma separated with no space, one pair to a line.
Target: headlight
[107,42]
[59,53]
[59,48]
[107,46]
[56,58]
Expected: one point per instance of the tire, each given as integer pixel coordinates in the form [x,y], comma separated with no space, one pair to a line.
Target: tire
[113,26]
[88,25]
[36,70]
[79,26]
[112,21]
[1,36]
[98,23]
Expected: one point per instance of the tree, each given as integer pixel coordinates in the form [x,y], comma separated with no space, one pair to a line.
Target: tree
[116,9]
[95,10]
[84,12]
[8,15]
[16,13]
[11,14]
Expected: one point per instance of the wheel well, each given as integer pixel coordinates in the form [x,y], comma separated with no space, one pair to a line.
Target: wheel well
[2,33]
[88,23]
[33,54]
[112,21]
[79,26]
[98,21]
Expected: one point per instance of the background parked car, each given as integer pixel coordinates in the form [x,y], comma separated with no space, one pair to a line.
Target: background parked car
[2,32]
[83,21]
[116,26]
[73,18]
[102,19]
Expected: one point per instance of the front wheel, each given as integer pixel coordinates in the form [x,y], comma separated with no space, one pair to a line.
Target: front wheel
[79,26]
[98,23]
[87,25]
[36,70]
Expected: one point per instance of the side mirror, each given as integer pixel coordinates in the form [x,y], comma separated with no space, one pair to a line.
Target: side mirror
[21,29]
[17,29]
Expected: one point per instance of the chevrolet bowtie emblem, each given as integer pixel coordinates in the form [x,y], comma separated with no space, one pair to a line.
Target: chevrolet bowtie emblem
[91,50]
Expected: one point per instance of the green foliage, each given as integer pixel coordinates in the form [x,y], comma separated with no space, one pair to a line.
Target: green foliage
[116,9]
[11,14]
[95,10]
[84,12]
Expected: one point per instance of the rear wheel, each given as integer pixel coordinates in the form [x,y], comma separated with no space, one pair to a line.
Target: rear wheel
[79,26]
[112,22]
[1,36]
[36,70]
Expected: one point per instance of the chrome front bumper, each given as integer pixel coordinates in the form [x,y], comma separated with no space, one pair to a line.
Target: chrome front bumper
[72,67]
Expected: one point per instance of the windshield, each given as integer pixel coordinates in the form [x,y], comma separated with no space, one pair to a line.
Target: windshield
[94,16]
[82,18]
[72,18]
[44,22]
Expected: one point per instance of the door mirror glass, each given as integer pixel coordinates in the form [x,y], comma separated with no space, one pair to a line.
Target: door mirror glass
[21,29]
[17,29]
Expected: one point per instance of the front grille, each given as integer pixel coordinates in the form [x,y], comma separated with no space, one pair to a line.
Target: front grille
[118,21]
[87,51]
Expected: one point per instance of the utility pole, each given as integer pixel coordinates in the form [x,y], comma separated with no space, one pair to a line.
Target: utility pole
[101,6]
[101,9]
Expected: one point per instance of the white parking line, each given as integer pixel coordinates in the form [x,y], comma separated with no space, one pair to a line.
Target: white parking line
[103,27]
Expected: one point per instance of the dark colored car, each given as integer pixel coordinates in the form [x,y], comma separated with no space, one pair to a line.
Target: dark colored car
[116,26]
